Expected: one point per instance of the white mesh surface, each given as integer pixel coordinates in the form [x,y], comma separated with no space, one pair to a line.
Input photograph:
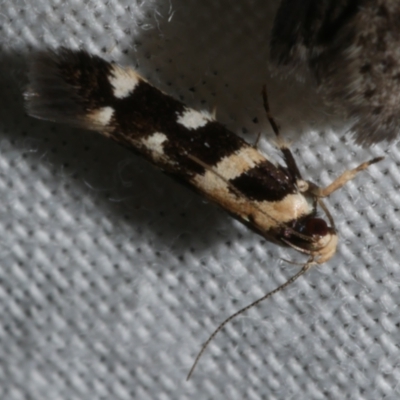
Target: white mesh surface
[112,275]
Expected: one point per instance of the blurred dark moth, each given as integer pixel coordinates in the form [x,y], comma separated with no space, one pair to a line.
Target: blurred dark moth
[352,50]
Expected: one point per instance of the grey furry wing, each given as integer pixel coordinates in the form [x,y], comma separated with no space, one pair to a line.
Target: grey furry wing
[352,49]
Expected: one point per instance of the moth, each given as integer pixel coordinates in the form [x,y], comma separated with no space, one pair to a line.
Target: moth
[351,48]
[85,91]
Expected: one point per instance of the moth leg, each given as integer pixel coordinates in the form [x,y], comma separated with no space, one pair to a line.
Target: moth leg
[345,177]
[282,145]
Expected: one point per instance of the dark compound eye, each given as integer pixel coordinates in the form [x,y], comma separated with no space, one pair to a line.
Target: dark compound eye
[316,226]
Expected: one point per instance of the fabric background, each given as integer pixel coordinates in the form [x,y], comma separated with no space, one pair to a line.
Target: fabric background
[112,275]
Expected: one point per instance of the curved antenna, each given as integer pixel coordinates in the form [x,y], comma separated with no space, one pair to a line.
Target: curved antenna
[254,204]
[305,268]
[327,212]
[287,154]
[299,249]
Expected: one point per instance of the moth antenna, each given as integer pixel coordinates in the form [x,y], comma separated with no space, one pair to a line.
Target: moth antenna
[211,169]
[291,262]
[282,145]
[345,177]
[271,119]
[297,248]
[327,212]
[305,268]
[234,189]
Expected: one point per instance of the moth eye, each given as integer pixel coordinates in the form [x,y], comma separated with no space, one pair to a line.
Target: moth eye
[316,226]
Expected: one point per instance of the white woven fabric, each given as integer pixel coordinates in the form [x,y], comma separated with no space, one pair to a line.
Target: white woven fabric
[112,275]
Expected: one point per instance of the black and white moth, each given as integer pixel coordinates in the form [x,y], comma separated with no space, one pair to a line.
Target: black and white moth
[274,200]
[352,49]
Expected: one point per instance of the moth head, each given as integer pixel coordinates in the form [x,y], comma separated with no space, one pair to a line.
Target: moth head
[324,239]
[312,235]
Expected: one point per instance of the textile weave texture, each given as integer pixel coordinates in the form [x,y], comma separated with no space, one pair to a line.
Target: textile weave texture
[112,275]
